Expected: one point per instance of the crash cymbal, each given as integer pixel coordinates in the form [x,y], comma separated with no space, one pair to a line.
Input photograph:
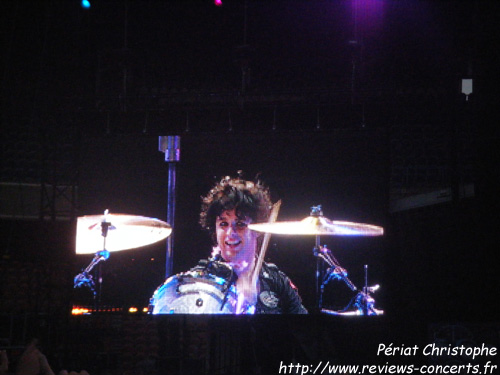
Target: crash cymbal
[318,226]
[124,232]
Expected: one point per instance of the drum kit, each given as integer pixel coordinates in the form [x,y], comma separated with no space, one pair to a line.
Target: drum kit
[201,292]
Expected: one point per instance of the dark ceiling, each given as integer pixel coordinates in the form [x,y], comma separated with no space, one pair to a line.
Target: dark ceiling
[151,55]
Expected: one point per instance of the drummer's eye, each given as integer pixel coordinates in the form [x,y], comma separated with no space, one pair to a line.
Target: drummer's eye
[223,224]
[241,224]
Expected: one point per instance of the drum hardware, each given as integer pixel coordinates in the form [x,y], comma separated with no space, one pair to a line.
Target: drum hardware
[102,234]
[84,278]
[334,272]
[230,280]
[192,291]
[316,224]
[123,232]
[195,292]
[363,302]
[226,291]
[215,266]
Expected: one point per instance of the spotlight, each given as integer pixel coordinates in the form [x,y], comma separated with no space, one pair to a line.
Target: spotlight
[85,4]
[218,3]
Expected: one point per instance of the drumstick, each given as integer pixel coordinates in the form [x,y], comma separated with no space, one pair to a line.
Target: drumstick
[249,292]
[258,265]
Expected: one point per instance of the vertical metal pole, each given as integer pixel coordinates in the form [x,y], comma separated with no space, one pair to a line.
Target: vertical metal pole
[319,274]
[170,218]
[171,146]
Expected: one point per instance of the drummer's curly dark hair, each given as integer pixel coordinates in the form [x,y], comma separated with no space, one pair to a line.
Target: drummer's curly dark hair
[249,199]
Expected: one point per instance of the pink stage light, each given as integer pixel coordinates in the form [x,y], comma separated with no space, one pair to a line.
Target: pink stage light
[218,3]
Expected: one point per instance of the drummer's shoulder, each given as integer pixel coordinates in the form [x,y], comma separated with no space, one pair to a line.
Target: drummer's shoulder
[271,269]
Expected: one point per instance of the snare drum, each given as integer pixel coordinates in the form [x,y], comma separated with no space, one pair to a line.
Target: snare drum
[194,293]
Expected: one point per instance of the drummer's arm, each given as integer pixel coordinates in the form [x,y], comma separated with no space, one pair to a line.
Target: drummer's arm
[291,302]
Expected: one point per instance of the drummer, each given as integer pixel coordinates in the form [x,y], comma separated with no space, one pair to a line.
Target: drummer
[227,210]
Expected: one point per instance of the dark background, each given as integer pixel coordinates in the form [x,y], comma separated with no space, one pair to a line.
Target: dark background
[354,105]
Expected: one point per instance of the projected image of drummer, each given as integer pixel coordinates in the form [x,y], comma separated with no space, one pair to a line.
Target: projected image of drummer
[235,279]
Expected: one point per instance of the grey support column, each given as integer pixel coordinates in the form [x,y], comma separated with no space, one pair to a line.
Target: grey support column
[171,146]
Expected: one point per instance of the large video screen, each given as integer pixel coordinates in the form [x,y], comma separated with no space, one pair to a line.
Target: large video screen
[331,189]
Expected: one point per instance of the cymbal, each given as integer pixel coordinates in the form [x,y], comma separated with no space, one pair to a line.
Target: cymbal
[124,232]
[319,226]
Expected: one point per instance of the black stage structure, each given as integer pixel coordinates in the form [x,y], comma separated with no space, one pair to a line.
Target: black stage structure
[362,107]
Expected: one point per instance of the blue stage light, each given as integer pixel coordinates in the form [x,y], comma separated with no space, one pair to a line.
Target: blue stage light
[85,4]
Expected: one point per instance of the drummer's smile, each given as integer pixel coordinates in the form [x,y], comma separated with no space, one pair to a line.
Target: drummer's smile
[236,241]
[232,244]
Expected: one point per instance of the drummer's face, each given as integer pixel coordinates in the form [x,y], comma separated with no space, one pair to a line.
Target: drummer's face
[235,239]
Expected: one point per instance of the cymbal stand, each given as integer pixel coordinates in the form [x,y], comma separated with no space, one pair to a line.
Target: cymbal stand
[317,252]
[363,301]
[85,278]
[335,271]
[319,273]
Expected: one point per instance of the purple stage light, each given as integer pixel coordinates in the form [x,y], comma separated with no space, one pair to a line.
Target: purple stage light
[368,14]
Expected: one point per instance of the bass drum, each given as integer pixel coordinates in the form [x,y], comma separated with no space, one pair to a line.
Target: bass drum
[193,294]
